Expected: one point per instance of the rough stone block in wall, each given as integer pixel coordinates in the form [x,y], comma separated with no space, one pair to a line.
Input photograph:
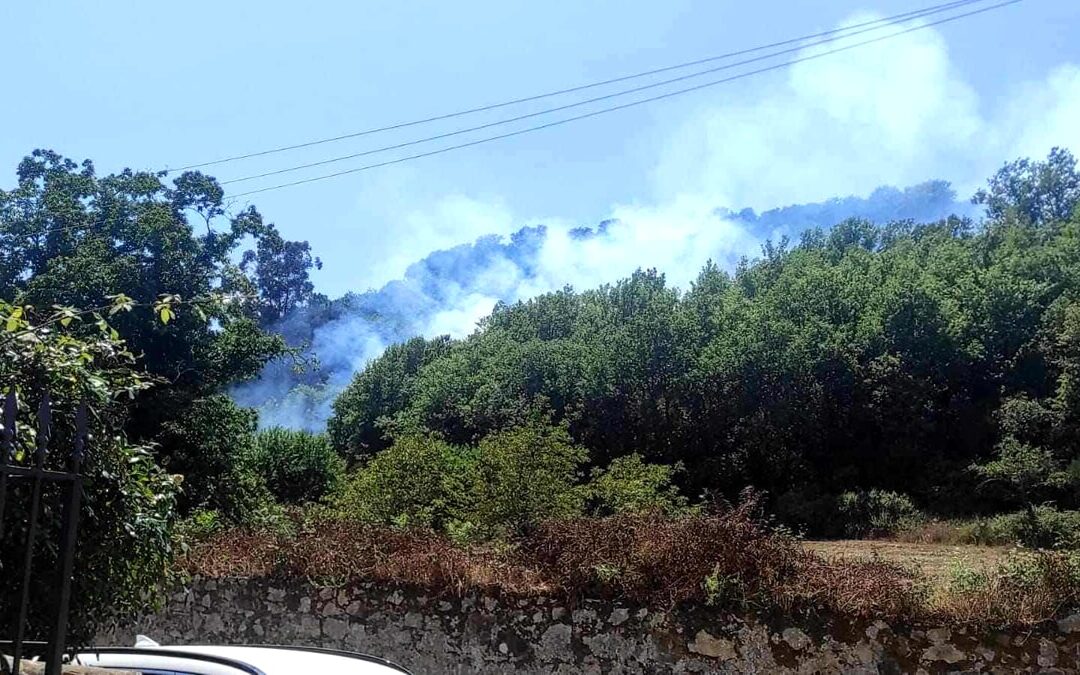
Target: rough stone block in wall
[490,634]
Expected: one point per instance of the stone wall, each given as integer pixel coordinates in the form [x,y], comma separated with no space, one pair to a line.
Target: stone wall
[488,634]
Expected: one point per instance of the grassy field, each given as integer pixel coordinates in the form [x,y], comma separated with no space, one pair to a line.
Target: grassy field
[932,560]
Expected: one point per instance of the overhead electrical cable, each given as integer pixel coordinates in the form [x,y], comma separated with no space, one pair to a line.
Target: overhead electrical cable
[568,106]
[925,11]
[631,104]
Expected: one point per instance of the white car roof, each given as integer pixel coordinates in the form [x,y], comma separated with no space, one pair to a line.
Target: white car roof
[237,660]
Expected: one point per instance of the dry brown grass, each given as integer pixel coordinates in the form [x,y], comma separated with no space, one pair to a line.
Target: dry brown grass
[656,559]
[1027,588]
[956,533]
[663,561]
[730,558]
[985,585]
[930,560]
[334,549]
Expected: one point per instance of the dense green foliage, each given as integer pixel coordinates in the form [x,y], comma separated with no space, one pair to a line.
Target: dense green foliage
[874,513]
[526,475]
[128,507]
[297,466]
[503,486]
[630,485]
[214,444]
[866,357]
[69,236]
[1043,527]
[363,408]
[419,481]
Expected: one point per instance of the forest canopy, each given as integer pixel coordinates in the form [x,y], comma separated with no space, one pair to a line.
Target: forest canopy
[865,356]
[861,378]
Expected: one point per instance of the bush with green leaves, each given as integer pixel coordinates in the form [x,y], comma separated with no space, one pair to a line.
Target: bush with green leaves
[525,475]
[128,504]
[1026,587]
[509,482]
[1026,471]
[212,449]
[298,466]
[418,481]
[197,527]
[874,513]
[629,485]
[1042,527]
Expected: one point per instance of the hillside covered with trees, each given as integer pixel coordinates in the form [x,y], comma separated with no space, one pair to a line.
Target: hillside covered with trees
[864,357]
[342,334]
[865,380]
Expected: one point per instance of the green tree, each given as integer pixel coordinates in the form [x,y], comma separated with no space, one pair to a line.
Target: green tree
[377,393]
[282,274]
[124,535]
[526,475]
[298,466]
[419,481]
[71,237]
[1038,192]
[1027,471]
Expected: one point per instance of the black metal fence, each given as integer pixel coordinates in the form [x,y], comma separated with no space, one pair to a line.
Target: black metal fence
[26,464]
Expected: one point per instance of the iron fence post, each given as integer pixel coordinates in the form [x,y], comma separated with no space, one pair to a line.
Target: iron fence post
[68,541]
[7,451]
[44,426]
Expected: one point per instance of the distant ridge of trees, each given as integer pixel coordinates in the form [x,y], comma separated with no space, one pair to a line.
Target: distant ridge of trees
[890,356]
[402,308]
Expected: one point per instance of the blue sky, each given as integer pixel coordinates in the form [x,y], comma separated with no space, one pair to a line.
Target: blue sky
[148,84]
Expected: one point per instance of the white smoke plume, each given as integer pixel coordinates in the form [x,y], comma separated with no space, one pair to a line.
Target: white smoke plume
[895,113]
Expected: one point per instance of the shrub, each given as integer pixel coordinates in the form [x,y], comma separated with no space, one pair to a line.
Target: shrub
[211,447]
[1026,588]
[730,558]
[331,548]
[418,481]
[200,525]
[963,578]
[248,502]
[1042,527]
[875,513]
[629,485]
[524,476]
[511,481]
[298,466]
[723,590]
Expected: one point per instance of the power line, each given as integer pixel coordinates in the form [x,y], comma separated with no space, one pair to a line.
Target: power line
[896,17]
[630,104]
[576,104]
